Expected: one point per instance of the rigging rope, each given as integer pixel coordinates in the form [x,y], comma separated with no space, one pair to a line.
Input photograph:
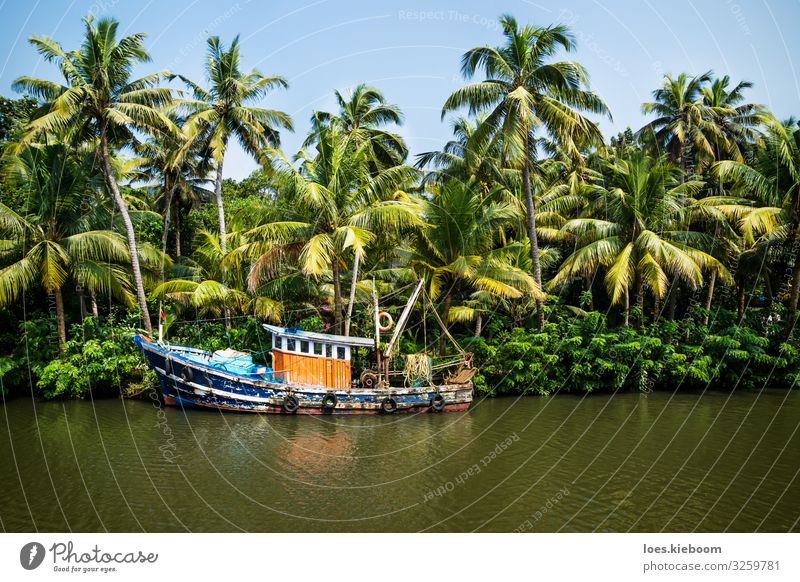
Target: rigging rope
[425,326]
[444,327]
[396,291]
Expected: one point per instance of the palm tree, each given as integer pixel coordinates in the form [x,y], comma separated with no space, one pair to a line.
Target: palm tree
[337,205]
[565,187]
[681,129]
[640,241]
[773,180]
[198,283]
[522,91]
[734,127]
[52,239]
[179,172]
[516,255]
[221,112]
[363,112]
[100,101]
[736,123]
[752,257]
[682,123]
[458,251]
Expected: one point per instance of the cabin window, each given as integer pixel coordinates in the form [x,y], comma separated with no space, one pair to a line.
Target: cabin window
[319,349]
[341,353]
[304,347]
[291,345]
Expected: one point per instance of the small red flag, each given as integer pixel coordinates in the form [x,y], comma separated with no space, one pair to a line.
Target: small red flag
[162,315]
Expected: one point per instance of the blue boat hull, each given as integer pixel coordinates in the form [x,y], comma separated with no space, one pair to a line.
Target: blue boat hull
[185,382]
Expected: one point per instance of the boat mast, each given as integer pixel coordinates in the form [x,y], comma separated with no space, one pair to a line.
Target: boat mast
[160,322]
[402,321]
[377,330]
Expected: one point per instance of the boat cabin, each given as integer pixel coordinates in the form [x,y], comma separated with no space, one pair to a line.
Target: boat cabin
[319,359]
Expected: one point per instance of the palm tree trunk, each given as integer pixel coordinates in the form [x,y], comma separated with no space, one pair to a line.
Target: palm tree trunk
[131,234]
[478,325]
[169,193]
[768,288]
[627,308]
[673,300]
[713,279]
[62,329]
[710,296]
[220,209]
[178,232]
[673,292]
[532,236]
[81,300]
[95,311]
[352,295]
[337,297]
[682,165]
[793,246]
[640,298]
[223,243]
[741,303]
[795,295]
[445,317]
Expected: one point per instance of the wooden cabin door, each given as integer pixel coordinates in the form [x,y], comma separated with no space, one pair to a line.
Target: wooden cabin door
[329,375]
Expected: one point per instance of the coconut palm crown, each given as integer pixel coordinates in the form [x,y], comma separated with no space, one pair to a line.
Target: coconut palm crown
[224,110]
[639,241]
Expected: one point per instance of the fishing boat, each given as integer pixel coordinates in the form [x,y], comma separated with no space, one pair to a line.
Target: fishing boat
[314,373]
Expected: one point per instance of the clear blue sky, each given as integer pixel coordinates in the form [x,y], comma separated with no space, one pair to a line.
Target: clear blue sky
[411,49]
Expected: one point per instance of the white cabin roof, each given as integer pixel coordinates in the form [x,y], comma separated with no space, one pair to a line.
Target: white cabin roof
[327,338]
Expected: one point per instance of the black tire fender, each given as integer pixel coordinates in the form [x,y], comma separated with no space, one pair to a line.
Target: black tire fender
[329,401]
[291,403]
[437,402]
[389,405]
[186,374]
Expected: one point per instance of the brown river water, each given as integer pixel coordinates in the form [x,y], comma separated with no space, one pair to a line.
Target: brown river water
[627,462]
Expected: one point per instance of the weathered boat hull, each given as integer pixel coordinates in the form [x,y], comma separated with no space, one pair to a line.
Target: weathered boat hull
[188,384]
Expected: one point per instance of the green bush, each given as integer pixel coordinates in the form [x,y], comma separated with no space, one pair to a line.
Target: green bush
[99,358]
[584,355]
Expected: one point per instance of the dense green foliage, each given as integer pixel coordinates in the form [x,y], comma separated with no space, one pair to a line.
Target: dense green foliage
[584,355]
[667,258]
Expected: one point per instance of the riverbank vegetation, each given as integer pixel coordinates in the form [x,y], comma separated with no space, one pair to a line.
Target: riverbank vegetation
[661,258]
